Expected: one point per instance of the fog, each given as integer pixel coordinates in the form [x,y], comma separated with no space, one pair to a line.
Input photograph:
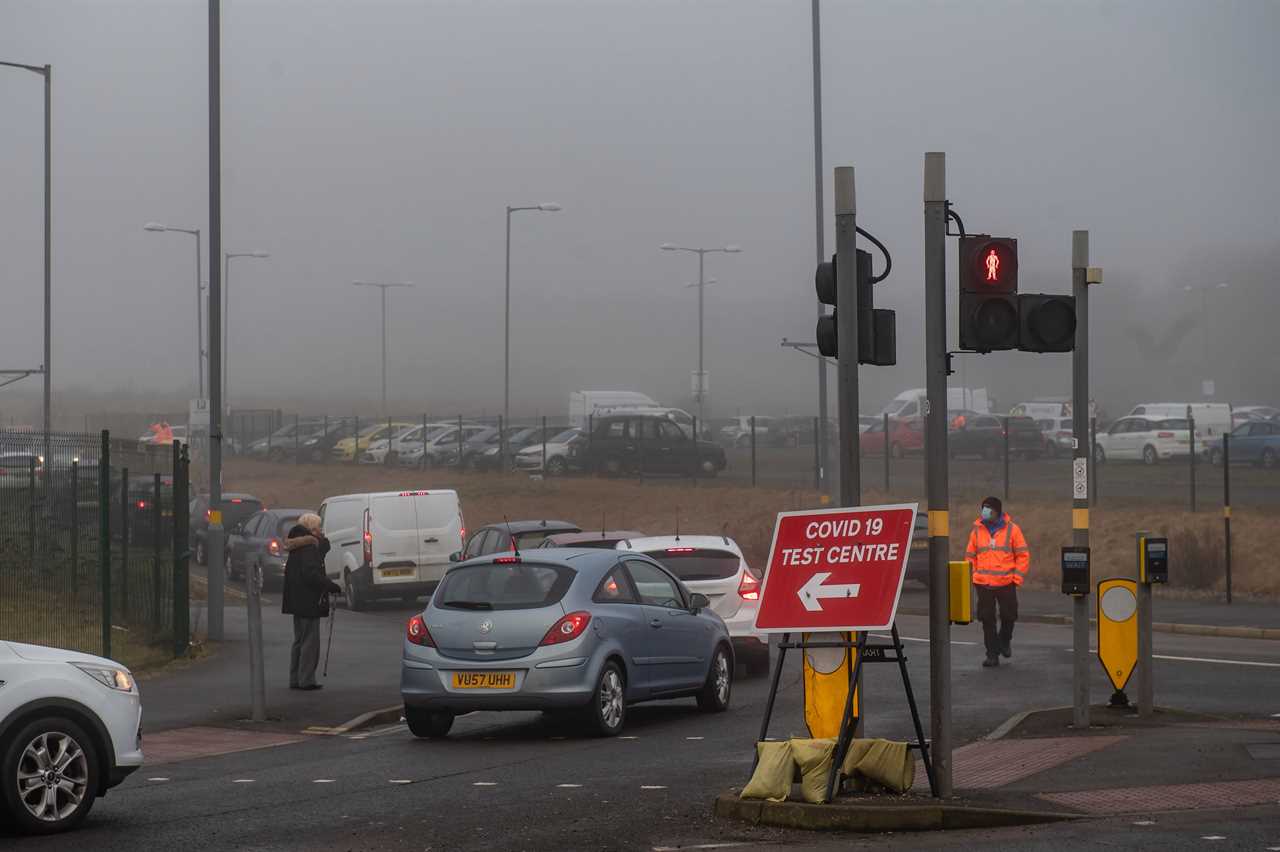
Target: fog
[382,140]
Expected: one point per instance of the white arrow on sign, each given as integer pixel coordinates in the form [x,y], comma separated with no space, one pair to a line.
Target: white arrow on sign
[812,592]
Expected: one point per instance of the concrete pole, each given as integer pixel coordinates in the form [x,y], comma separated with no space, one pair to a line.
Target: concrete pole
[506,351]
[1080,455]
[214,535]
[48,255]
[384,359]
[1146,679]
[935,325]
[702,413]
[820,434]
[199,320]
[847,335]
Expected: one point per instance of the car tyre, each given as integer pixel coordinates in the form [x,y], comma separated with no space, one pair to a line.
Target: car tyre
[1149,455]
[229,568]
[556,466]
[202,555]
[276,455]
[607,712]
[354,594]
[75,781]
[1099,455]
[758,663]
[1268,458]
[715,694]
[428,724]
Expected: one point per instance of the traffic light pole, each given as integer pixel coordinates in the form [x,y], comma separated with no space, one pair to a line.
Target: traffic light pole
[1080,466]
[215,566]
[847,334]
[935,325]
[820,434]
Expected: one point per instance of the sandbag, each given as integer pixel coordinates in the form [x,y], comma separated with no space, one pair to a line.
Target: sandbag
[814,758]
[882,762]
[775,768]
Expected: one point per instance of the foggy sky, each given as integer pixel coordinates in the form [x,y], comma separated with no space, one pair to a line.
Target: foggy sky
[382,140]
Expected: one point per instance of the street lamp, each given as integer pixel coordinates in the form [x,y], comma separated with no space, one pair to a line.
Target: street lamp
[226,307]
[45,71]
[700,394]
[157,227]
[547,207]
[1204,325]
[383,287]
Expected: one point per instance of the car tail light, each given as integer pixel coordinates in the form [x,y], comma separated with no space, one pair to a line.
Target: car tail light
[1164,434]
[273,547]
[506,560]
[208,514]
[236,500]
[567,629]
[416,632]
[367,538]
[679,550]
[141,504]
[749,588]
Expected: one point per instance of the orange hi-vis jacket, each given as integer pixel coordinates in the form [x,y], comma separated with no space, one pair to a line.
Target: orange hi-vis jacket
[999,559]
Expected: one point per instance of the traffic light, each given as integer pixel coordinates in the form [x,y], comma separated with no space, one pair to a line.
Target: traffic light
[877,329]
[1046,323]
[988,293]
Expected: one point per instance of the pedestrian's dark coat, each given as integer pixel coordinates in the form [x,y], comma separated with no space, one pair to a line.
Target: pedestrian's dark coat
[306,588]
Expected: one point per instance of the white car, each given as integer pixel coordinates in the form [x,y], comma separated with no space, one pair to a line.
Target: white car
[713,565]
[15,469]
[738,433]
[1058,433]
[562,453]
[1140,438]
[70,729]
[403,440]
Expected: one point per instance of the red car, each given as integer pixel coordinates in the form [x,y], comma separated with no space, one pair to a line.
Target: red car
[905,436]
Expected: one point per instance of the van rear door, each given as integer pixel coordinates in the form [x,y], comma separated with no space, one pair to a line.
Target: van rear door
[440,531]
[393,522]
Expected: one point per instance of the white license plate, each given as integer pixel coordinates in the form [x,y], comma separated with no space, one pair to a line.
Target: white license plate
[397,572]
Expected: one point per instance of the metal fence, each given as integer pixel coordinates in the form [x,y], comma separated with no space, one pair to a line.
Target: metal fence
[91,544]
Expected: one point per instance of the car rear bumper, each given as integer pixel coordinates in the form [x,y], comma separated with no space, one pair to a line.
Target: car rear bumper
[429,685]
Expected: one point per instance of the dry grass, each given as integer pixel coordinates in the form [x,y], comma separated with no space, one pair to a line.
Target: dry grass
[747,514]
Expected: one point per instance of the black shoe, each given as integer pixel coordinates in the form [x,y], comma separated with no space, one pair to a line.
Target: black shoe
[1005,650]
[990,662]
[312,688]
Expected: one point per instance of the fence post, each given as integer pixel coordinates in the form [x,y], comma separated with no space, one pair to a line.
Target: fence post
[544,446]
[156,521]
[1226,504]
[1093,461]
[1006,458]
[181,538]
[75,523]
[638,422]
[459,462]
[886,452]
[817,457]
[590,429]
[355,437]
[324,441]
[104,538]
[1191,455]
[753,450]
[31,512]
[386,460]
[297,455]
[124,542]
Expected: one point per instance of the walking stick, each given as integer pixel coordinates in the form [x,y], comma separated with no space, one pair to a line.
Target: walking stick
[333,610]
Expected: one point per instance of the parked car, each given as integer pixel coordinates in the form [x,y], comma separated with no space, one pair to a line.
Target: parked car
[257,544]
[318,446]
[606,539]
[280,444]
[918,558]
[70,730]
[391,543]
[561,630]
[983,435]
[905,436]
[353,446]
[441,447]
[400,440]
[1253,442]
[564,452]
[652,443]
[16,469]
[713,565]
[1211,418]
[1244,413]
[509,536]
[142,508]
[866,421]
[488,456]
[1058,434]
[737,433]
[1141,438]
[236,507]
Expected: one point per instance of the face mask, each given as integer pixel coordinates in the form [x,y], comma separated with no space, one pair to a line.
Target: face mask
[988,513]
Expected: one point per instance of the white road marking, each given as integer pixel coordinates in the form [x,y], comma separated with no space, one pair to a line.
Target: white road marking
[628,738]
[1145,822]
[694,738]
[652,787]
[1253,663]
[485,784]
[568,786]
[242,781]
[915,639]
[1213,837]
[399,781]
[702,846]
[157,779]
[557,738]
[322,781]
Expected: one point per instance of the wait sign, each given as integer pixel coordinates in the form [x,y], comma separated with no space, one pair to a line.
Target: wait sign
[836,569]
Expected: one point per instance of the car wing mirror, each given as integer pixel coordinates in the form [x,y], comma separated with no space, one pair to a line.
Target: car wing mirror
[698,602]
[456,556]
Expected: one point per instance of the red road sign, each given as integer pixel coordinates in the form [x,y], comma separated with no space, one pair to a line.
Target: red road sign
[836,569]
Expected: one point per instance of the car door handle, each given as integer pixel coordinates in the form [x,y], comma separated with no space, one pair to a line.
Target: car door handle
[432,540]
[655,622]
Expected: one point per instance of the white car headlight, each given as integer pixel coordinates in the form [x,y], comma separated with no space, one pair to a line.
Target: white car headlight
[109,676]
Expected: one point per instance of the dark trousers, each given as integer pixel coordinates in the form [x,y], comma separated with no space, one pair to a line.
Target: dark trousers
[989,598]
[305,654]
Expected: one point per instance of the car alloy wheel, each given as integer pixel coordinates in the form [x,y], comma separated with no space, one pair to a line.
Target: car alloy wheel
[229,567]
[351,591]
[1149,455]
[1099,455]
[610,704]
[708,467]
[714,697]
[202,556]
[555,466]
[50,776]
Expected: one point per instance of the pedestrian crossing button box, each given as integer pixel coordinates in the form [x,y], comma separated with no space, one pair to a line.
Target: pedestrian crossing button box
[1075,570]
[1154,565]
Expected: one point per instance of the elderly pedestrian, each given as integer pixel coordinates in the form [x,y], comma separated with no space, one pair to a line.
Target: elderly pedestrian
[306,597]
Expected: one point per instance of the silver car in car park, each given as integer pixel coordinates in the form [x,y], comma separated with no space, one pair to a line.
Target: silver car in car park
[583,630]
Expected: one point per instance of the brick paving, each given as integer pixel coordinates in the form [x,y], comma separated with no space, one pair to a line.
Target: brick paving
[986,765]
[200,741]
[1170,797]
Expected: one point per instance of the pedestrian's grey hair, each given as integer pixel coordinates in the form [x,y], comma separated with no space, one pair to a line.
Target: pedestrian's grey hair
[310,520]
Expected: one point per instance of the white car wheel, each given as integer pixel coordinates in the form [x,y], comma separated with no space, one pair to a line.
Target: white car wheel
[50,776]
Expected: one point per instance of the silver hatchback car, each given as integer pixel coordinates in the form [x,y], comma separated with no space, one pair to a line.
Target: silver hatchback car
[584,630]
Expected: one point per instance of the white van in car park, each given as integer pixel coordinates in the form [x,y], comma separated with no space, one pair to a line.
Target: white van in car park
[1212,418]
[393,544]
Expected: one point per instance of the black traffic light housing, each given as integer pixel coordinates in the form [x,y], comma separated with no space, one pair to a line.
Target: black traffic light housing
[824,282]
[1046,323]
[988,293]
[877,329]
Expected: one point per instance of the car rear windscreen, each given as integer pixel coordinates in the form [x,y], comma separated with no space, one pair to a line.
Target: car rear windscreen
[238,509]
[515,585]
[694,564]
[286,523]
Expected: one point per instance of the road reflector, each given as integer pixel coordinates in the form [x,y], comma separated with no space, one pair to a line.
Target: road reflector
[960,580]
[827,672]
[1118,629]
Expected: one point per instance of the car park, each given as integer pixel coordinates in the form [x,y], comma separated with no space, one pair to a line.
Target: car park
[353,446]
[1211,418]
[397,441]
[905,437]
[983,435]
[70,730]
[713,565]
[318,446]
[650,444]
[236,507]
[442,446]
[1252,442]
[281,444]
[737,433]
[489,456]
[258,544]
[510,536]
[1143,439]
[390,544]
[1243,413]
[580,631]
[564,452]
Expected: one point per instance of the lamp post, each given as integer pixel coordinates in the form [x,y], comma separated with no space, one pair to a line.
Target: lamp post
[226,309]
[1204,326]
[383,287]
[200,353]
[45,71]
[700,394]
[548,207]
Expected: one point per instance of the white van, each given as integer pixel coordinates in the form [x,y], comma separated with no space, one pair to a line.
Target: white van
[588,404]
[390,544]
[1212,418]
[911,403]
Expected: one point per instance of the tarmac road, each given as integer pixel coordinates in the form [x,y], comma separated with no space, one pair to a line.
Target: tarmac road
[516,781]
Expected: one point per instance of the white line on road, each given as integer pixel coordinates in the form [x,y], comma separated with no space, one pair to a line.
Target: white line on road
[702,846]
[628,738]
[916,639]
[242,781]
[485,784]
[322,781]
[1145,822]
[1253,663]
[157,779]
[695,738]
[568,786]
[1213,837]
[399,781]
[652,787]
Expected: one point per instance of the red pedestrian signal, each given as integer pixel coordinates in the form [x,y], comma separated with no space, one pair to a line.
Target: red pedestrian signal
[988,264]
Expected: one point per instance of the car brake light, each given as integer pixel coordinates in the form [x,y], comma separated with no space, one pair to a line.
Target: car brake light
[567,629]
[506,560]
[142,504]
[367,537]
[273,547]
[236,500]
[1164,434]
[679,550]
[749,588]
[417,633]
